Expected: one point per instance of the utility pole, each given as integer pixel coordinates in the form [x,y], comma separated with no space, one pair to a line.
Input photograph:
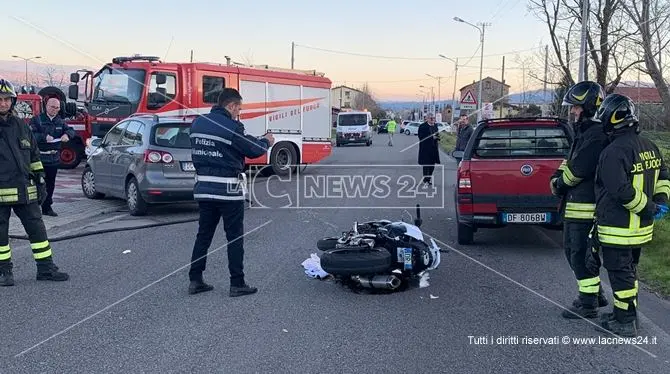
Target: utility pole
[481,69]
[502,89]
[546,74]
[582,49]
[191,55]
[292,55]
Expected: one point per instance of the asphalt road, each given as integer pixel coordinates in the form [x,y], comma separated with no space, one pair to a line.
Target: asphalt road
[126,307]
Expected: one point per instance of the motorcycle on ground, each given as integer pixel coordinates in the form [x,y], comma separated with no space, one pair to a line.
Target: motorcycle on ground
[380,254]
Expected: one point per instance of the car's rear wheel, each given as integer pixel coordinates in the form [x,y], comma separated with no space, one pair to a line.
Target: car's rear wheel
[466,234]
[137,206]
[407,132]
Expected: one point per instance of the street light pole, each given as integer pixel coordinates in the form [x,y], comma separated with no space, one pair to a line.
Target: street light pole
[26,60]
[439,87]
[453,93]
[482,30]
[582,48]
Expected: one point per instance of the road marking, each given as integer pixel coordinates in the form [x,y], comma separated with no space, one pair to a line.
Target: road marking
[131,295]
[527,288]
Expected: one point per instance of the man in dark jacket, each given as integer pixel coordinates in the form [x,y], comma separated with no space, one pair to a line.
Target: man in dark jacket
[21,190]
[429,153]
[51,131]
[574,181]
[219,146]
[463,133]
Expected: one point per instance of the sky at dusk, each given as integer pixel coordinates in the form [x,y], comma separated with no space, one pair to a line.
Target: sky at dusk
[261,32]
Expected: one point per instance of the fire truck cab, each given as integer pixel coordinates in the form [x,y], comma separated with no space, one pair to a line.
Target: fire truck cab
[293,105]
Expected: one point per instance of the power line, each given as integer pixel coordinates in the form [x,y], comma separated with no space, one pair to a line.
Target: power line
[406,58]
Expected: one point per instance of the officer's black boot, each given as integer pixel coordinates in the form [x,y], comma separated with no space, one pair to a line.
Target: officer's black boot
[48,271]
[198,285]
[6,276]
[619,325]
[242,290]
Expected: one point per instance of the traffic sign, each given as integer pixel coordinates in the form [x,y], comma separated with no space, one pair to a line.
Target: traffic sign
[468,101]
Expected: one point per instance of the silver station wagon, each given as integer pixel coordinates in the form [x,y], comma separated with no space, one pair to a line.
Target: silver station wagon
[143,159]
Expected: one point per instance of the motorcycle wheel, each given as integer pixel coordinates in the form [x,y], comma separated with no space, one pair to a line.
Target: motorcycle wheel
[346,262]
[326,244]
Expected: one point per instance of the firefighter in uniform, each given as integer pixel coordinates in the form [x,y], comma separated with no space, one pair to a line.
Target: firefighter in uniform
[632,189]
[219,146]
[574,181]
[22,189]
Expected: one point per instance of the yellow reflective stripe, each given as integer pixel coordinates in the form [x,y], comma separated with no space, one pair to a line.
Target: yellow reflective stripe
[39,245]
[9,199]
[570,178]
[32,196]
[620,304]
[580,210]
[9,191]
[5,253]
[37,254]
[625,294]
[563,165]
[36,166]
[640,200]
[625,236]
[589,285]
[32,189]
[663,187]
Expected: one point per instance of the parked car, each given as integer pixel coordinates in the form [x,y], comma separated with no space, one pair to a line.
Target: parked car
[381,126]
[503,178]
[144,160]
[411,128]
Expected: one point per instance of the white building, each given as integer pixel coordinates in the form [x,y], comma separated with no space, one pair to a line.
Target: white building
[344,97]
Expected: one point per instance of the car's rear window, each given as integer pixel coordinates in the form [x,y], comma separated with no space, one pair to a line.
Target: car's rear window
[522,142]
[172,135]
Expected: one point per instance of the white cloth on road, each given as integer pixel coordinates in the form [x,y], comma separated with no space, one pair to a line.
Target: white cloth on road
[313,267]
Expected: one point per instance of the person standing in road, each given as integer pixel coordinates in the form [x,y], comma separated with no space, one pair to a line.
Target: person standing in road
[219,146]
[574,182]
[429,153]
[22,190]
[632,189]
[50,132]
[391,128]
[463,133]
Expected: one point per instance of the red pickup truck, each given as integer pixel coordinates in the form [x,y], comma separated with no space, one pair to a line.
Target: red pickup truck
[503,178]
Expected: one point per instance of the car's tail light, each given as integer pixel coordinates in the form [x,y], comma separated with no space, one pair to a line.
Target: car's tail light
[157,157]
[464,181]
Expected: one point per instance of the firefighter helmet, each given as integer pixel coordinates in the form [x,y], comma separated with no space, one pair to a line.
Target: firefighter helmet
[587,94]
[7,90]
[617,112]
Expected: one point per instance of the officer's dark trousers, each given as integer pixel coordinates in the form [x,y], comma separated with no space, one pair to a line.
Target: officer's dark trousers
[31,218]
[428,173]
[50,179]
[621,265]
[576,243]
[232,213]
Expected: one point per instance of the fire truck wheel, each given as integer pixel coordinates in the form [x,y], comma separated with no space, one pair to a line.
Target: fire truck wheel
[137,206]
[70,157]
[283,159]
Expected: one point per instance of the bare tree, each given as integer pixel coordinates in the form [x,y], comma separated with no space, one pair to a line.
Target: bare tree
[608,38]
[651,20]
[248,58]
[54,77]
[365,101]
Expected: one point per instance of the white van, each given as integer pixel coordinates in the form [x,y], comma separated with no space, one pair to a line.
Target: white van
[354,127]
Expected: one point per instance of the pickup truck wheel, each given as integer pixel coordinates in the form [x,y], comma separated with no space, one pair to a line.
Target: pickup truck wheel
[356,261]
[466,234]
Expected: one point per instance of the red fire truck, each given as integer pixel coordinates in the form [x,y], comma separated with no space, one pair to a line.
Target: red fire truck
[30,104]
[294,105]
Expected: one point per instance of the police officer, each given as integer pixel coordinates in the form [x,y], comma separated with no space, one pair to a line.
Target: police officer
[21,189]
[50,132]
[219,147]
[574,182]
[632,189]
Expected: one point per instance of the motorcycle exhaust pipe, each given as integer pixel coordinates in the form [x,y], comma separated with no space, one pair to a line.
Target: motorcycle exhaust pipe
[389,282]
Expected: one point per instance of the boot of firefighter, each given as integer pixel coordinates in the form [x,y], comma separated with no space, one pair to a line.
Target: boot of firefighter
[618,324]
[6,275]
[48,271]
[602,300]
